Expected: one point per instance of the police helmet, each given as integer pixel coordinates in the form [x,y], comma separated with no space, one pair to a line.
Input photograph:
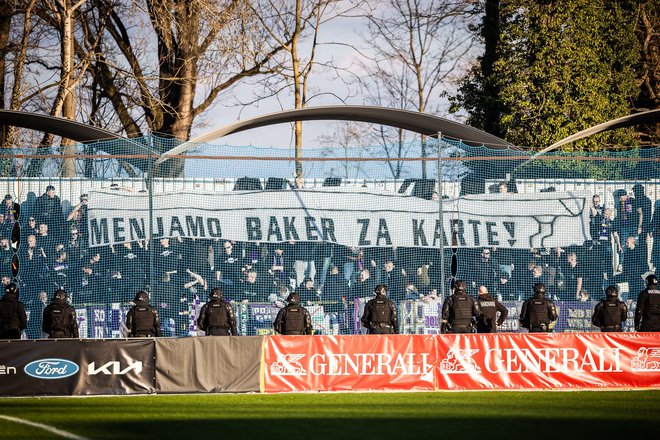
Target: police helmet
[11,289]
[60,294]
[381,289]
[651,280]
[539,289]
[216,293]
[141,296]
[612,292]
[294,298]
[460,286]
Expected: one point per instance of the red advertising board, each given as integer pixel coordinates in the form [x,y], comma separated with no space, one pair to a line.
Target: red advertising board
[335,363]
[461,362]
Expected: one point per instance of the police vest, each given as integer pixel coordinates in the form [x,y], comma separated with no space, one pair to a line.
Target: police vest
[143,322]
[294,321]
[654,302]
[488,308]
[216,315]
[9,315]
[539,312]
[461,309]
[380,311]
[611,313]
[59,321]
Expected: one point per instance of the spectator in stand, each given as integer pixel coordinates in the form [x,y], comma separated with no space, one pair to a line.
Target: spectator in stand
[539,275]
[628,218]
[634,267]
[281,264]
[254,289]
[48,210]
[33,265]
[602,247]
[8,215]
[395,280]
[364,286]
[6,254]
[573,277]
[307,292]
[60,269]
[78,216]
[485,271]
[596,211]
[30,228]
[304,256]
[230,264]
[503,187]
[46,241]
[642,206]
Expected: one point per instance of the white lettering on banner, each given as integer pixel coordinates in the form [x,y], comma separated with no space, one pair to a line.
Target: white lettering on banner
[7,370]
[363,364]
[346,216]
[553,360]
[113,368]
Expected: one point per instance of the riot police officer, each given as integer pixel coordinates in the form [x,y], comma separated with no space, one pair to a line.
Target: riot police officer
[538,312]
[293,319]
[610,313]
[380,315]
[59,318]
[459,310]
[142,320]
[13,319]
[647,313]
[487,321]
[217,317]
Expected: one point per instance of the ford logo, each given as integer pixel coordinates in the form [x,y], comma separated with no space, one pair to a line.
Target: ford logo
[51,368]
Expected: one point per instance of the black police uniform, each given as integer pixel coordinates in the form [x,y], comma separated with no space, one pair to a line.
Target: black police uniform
[217,318]
[13,319]
[142,320]
[647,313]
[610,313]
[458,310]
[293,319]
[538,312]
[488,322]
[59,318]
[380,317]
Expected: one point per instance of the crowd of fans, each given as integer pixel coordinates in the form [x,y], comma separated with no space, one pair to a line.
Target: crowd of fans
[54,252]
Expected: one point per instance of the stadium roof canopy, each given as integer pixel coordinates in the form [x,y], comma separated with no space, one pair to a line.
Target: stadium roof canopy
[417,122]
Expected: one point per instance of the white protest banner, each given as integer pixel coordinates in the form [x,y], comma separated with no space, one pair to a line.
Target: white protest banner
[349,217]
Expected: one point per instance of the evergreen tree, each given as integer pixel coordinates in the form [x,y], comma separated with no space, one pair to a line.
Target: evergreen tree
[553,68]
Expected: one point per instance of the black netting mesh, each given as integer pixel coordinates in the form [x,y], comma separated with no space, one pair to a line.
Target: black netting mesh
[239,220]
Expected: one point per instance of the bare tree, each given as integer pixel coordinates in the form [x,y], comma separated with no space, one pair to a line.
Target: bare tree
[158,78]
[296,26]
[418,50]
[348,137]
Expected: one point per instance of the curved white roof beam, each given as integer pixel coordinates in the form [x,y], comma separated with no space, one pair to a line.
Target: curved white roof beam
[408,120]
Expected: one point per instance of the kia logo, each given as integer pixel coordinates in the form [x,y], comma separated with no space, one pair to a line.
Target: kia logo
[51,369]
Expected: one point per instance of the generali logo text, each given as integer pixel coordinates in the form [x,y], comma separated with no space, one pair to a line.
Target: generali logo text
[524,360]
[345,364]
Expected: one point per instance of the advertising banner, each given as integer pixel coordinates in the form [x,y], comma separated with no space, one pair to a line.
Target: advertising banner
[70,367]
[339,363]
[347,217]
[208,364]
[461,362]
[542,360]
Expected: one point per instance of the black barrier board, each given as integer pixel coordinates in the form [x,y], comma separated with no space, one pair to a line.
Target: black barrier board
[76,367]
[212,364]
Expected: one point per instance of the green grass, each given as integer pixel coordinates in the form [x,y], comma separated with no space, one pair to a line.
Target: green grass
[511,415]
